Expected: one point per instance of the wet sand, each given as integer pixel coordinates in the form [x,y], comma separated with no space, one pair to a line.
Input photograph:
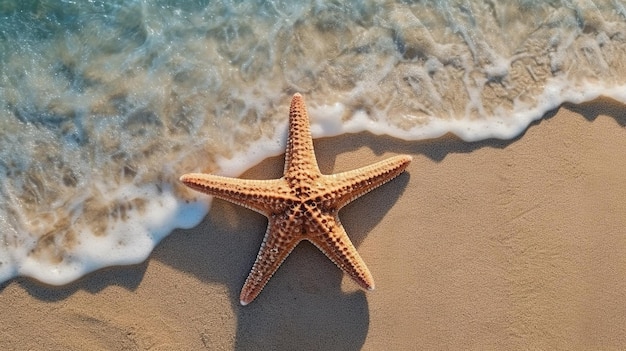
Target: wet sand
[512,244]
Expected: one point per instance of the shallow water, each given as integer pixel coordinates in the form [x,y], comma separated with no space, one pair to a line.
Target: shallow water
[104,104]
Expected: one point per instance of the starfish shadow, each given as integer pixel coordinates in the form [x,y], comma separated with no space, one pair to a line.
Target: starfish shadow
[300,306]
[303,305]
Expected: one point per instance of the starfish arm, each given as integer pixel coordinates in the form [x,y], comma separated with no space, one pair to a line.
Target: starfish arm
[277,244]
[336,245]
[348,186]
[253,194]
[299,156]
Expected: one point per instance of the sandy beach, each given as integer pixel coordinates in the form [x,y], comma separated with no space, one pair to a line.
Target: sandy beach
[516,244]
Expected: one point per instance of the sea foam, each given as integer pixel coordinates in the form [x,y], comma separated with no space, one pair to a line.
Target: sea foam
[103,105]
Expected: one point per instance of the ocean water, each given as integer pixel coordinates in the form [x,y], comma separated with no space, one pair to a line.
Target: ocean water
[104,104]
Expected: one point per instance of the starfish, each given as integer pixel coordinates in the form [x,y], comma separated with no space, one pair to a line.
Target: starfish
[302,205]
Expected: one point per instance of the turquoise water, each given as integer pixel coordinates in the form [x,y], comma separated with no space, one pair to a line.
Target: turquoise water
[104,104]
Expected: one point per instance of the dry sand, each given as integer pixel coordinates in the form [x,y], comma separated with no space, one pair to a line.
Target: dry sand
[491,245]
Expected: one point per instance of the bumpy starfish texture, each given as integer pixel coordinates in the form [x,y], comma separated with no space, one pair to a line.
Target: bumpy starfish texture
[302,205]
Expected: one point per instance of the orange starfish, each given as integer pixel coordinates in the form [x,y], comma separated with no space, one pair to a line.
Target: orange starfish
[302,205]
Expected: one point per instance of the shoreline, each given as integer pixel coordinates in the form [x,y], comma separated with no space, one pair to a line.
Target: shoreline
[493,244]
